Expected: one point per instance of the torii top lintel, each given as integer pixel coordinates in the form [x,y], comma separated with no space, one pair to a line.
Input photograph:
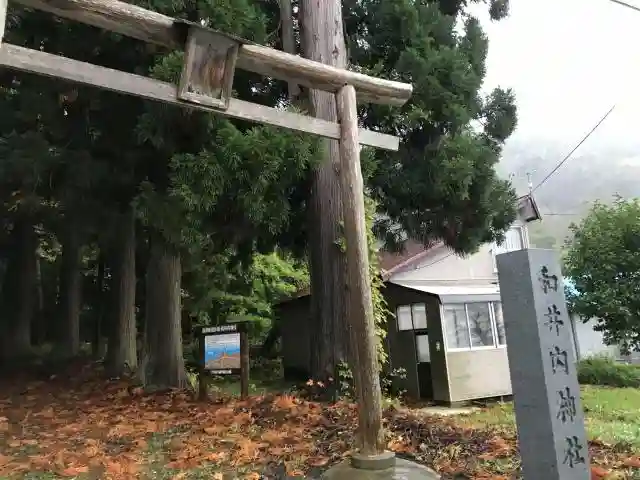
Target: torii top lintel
[153,27]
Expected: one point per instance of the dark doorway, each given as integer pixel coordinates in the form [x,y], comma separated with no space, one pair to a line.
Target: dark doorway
[424,365]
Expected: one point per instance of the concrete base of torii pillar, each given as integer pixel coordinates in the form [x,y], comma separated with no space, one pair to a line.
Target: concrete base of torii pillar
[392,469]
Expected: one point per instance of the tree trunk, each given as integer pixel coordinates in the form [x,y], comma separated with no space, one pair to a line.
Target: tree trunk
[123,355]
[50,284]
[323,41]
[288,40]
[164,362]
[70,289]
[98,346]
[267,348]
[19,290]
[39,330]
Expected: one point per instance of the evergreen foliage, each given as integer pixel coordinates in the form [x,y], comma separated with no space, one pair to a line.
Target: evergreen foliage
[603,262]
[442,186]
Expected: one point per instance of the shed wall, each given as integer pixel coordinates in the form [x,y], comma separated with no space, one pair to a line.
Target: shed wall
[478,374]
[295,318]
[402,346]
[439,362]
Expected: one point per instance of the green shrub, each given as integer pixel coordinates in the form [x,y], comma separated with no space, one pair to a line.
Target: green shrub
[606,371]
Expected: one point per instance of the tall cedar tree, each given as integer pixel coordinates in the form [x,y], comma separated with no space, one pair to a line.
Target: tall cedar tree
[322,40]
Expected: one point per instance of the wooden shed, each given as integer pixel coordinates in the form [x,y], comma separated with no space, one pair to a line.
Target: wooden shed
[448,339]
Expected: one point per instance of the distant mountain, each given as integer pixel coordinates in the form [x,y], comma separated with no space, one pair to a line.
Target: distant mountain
[591,174]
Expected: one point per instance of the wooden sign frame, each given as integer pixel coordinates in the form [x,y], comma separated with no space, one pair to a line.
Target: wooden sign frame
[241,328]
[208,69]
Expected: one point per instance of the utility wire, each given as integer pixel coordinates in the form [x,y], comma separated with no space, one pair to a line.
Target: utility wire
[624,4]
[568,156]
[435,262]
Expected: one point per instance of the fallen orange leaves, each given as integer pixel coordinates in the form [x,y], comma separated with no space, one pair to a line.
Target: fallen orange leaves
[244,418]
[216,457]
[91,451]
[88,425]
[398,445]
[224,414]
[284,402]
[598,473]
[74,471]
[46,413]
[497,447]
[274,437]
[277,451]
[318,461]
[633,462]
[4,424]
[120,468]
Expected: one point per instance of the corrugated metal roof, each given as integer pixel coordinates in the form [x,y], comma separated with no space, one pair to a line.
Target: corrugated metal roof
[391,262]
[451,290]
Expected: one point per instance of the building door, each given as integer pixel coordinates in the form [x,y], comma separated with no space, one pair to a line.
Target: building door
[424,365]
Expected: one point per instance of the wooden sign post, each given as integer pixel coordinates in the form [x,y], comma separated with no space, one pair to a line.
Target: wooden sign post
[224,350]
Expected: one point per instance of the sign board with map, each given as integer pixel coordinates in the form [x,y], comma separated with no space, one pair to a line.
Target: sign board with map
[222,353]
[224,350]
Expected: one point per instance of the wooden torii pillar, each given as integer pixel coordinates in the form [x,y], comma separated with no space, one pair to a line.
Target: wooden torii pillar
[3,18]
[207,78]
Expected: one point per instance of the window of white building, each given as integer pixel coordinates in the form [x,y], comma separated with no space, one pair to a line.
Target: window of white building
[474,325]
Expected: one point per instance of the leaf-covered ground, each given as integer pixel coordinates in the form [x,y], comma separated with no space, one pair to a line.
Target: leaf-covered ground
[81,425]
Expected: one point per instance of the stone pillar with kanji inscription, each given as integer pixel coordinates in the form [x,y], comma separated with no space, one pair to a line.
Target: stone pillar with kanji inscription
[551,433]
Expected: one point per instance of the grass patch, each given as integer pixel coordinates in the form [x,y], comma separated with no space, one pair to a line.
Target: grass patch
[230,387]
[265,378]
[612,415]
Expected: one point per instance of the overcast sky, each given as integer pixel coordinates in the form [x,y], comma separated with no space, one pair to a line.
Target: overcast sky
[568,62]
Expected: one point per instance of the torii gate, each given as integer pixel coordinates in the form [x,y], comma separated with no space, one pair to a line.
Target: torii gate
[205,84]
